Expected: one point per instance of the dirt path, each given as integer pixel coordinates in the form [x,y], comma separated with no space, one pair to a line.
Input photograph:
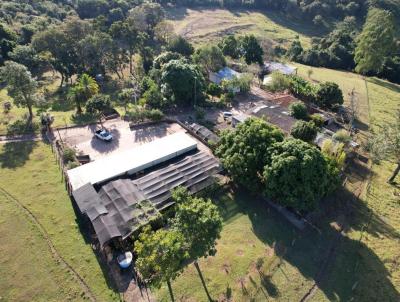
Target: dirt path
[57,257]
[20,138]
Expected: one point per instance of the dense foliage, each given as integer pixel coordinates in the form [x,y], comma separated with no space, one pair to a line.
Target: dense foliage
[245,151]
[306,131]
[298,110]
[182,82]
[297,176]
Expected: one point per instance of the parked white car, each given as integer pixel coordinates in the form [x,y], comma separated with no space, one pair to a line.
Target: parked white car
[104,135]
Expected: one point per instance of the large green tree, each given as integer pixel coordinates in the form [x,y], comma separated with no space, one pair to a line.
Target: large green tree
[210,58]
[251,49]
[160,256]
[376,41]
[20,85]
[246,150]
[297,175]
[200,223]
[184,81]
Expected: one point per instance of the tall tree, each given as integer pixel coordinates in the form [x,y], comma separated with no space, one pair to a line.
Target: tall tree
[385,145]
[251,49]
[83,90]
[200,223]
[298,175]
[210,57]
[20,85]
[246,150]
[183,80]
[376,41]
[161,255]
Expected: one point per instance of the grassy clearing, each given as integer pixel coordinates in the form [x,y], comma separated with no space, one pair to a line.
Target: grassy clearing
[28,171]
[27,270]
[291,260]
[207,25]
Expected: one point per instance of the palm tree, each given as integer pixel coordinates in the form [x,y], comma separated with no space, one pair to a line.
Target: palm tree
[84,89]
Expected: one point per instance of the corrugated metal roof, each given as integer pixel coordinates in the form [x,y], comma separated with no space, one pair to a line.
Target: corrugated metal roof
[131,161]
[123,199]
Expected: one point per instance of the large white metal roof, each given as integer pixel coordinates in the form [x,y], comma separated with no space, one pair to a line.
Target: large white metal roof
[131,161]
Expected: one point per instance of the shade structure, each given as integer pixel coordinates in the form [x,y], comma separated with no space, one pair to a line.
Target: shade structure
[122,206]
[131,161]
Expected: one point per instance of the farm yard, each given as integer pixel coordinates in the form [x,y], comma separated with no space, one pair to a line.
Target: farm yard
[175,169]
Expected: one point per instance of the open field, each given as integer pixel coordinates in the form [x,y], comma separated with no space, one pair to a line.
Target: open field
[28,171]
[211,25]
[28,271]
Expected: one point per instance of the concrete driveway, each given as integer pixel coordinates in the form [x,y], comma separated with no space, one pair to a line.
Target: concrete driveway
[82,139]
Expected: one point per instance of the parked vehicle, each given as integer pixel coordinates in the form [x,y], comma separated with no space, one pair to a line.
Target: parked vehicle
[104,135]
[226,114]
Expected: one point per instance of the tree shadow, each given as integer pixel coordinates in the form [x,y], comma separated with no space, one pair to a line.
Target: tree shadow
[391,86]
[353,269]
[83,118]
[148,133]
[16,154]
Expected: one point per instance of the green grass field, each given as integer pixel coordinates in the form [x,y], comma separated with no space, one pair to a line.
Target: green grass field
[210,25]
[29,172]
[28,271]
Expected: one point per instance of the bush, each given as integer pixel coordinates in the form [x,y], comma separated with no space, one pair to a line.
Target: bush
[306,131]
[317,119]
[140,114]
[329,95]
[302,89]
[98,103]
[214,89]
[342,136]
[72,164]
[199,113]
[68,155]
[298,110]
[279,82]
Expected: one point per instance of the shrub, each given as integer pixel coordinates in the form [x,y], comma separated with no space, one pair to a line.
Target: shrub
[214,89]
[306,131]
[140,114]
[7,107]
[342,136]
[68,155]
[317,119]
[98,103]
[298,110]
[302,89]
[329,95]
[72,164]
[199,113]
[279,82]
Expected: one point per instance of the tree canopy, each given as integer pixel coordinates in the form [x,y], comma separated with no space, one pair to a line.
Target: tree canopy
[306,131]
[297,175]
[246,150]
[376,41]
[183,82]
[20,85]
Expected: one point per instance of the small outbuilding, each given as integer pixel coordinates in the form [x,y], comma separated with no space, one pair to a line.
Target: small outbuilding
[225,73]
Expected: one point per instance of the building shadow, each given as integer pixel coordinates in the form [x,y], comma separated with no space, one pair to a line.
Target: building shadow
[16,154]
